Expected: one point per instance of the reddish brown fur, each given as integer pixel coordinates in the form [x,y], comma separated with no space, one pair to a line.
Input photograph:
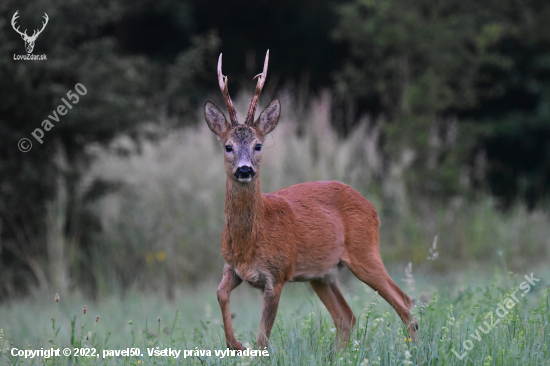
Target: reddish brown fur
[299,233]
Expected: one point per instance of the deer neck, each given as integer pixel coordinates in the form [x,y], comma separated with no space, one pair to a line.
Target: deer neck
[243,210]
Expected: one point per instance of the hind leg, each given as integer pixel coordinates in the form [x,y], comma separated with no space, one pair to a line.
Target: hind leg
[369,269]
[340,314]
[350,318]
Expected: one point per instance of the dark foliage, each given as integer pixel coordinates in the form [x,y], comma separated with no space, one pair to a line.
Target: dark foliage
[415,66]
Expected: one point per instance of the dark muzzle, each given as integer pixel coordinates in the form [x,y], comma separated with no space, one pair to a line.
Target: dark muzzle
[244,172]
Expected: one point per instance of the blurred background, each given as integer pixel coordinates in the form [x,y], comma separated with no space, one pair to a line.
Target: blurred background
[437,111]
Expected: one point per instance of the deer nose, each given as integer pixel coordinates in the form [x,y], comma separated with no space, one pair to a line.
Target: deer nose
[244,172]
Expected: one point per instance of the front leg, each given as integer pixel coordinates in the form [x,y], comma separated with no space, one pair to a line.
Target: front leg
[230,280]
[272,294]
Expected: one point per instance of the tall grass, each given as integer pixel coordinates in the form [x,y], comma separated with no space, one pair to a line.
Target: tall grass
[160,238]
[163,226]
[303,334]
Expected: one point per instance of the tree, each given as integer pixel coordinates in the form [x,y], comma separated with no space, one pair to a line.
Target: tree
[430,69]
[46,224]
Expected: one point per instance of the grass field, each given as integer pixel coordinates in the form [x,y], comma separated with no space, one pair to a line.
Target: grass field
[160,231]
[457,317]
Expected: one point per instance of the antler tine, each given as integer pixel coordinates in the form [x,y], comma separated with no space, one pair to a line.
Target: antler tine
[43,24]
[13,20]
[222,80]
[254,102]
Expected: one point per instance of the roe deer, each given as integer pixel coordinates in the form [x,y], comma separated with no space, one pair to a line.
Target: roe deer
[299,233]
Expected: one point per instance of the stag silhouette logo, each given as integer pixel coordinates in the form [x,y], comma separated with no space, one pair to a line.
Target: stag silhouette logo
[29,40]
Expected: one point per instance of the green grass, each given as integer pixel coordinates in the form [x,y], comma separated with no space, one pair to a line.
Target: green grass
[303,333]
[160,232]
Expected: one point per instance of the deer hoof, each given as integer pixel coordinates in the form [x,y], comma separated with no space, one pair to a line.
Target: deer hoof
[236,345]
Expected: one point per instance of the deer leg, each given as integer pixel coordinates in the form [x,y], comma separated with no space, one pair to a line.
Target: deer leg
[272,295]
[341,319]
[371,271]
[230,280]
[350,318]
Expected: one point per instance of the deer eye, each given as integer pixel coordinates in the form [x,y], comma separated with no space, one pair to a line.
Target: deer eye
[228,148]
[258,147]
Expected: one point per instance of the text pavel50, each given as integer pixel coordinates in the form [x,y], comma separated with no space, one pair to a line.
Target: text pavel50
[61,110]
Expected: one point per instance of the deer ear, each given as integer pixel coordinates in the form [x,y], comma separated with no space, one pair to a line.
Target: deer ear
[269,117]
[215,119]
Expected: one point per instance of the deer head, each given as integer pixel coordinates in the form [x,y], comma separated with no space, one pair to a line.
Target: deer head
[29,40]
[242,142]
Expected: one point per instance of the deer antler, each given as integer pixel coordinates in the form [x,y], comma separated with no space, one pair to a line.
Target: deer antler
[13,20]
[222,80]
[254,102]
[36,32]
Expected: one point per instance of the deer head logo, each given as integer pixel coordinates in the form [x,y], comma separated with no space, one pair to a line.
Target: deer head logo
[29,40]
